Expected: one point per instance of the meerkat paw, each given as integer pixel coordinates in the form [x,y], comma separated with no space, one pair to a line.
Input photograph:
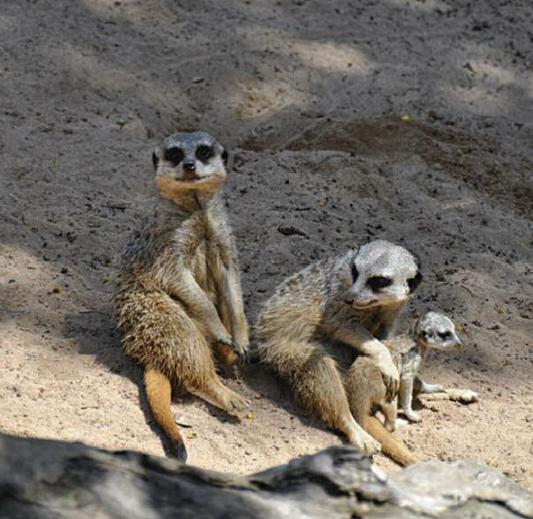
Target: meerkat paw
[400,422]
[390,425]
[413,416]
[466,396]
[389,372]
[232,351]
[235,403]
[242,341]
[365,443]
[222,397]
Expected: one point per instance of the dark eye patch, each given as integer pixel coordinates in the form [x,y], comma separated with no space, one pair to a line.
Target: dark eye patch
[355,273]
[377,282]
[204,152]
[414,282]
[174,155]
[445,335]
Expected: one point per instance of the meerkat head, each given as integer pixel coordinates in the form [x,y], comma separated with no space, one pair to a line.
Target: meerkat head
[382,274]
[189,161]
[435,330]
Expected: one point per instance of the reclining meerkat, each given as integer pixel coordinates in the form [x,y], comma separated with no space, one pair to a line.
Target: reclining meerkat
[353,299]
[178,294]
[367,392]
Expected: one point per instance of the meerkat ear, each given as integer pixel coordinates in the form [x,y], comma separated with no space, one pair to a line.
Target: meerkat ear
[413,283]
[354,272]
[155,159]
[224,156]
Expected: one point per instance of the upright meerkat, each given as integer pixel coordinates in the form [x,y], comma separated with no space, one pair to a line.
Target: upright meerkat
[178,294]
[367,392]
[353,299]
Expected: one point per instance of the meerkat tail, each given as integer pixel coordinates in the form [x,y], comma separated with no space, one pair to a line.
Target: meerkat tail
[159,392]
[390,445]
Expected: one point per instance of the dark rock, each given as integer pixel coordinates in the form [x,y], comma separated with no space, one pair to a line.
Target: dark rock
[48,479]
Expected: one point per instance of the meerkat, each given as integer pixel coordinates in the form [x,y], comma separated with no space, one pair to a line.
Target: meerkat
[353,299]
[178,296]
[367,392]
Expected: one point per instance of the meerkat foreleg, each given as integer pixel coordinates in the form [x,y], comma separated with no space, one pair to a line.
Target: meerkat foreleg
[360,339]
[234,307]
[187,290]
[406,398]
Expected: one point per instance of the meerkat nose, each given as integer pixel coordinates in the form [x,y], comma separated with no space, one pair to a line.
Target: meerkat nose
[189,165]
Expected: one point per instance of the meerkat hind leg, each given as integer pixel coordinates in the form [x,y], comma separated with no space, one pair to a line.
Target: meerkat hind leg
[465,396]
[220,396]
[319,387]
[438,392]
[195,367]
[426,389]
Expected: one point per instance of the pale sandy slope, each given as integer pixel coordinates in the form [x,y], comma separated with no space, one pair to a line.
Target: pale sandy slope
[308,95]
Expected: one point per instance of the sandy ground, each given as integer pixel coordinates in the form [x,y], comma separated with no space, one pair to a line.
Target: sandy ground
[308,96]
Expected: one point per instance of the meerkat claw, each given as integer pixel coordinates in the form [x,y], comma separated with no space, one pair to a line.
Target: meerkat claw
[243,357]
[413,416]
[392,385]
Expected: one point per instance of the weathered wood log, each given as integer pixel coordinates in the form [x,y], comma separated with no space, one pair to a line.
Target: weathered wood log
[51,479]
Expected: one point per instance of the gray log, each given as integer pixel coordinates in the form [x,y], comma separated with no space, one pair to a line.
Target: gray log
[51,479]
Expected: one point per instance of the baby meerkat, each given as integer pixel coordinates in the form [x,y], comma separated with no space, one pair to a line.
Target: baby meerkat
[367,393]
[178,295]
[353,299]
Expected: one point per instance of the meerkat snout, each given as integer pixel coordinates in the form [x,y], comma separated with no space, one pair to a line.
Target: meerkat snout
[189,165]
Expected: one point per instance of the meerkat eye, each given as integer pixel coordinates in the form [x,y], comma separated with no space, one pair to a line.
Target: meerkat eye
[445,335]
[204,152]
[355,273]
[377,282]
[174,155]
[414,282]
